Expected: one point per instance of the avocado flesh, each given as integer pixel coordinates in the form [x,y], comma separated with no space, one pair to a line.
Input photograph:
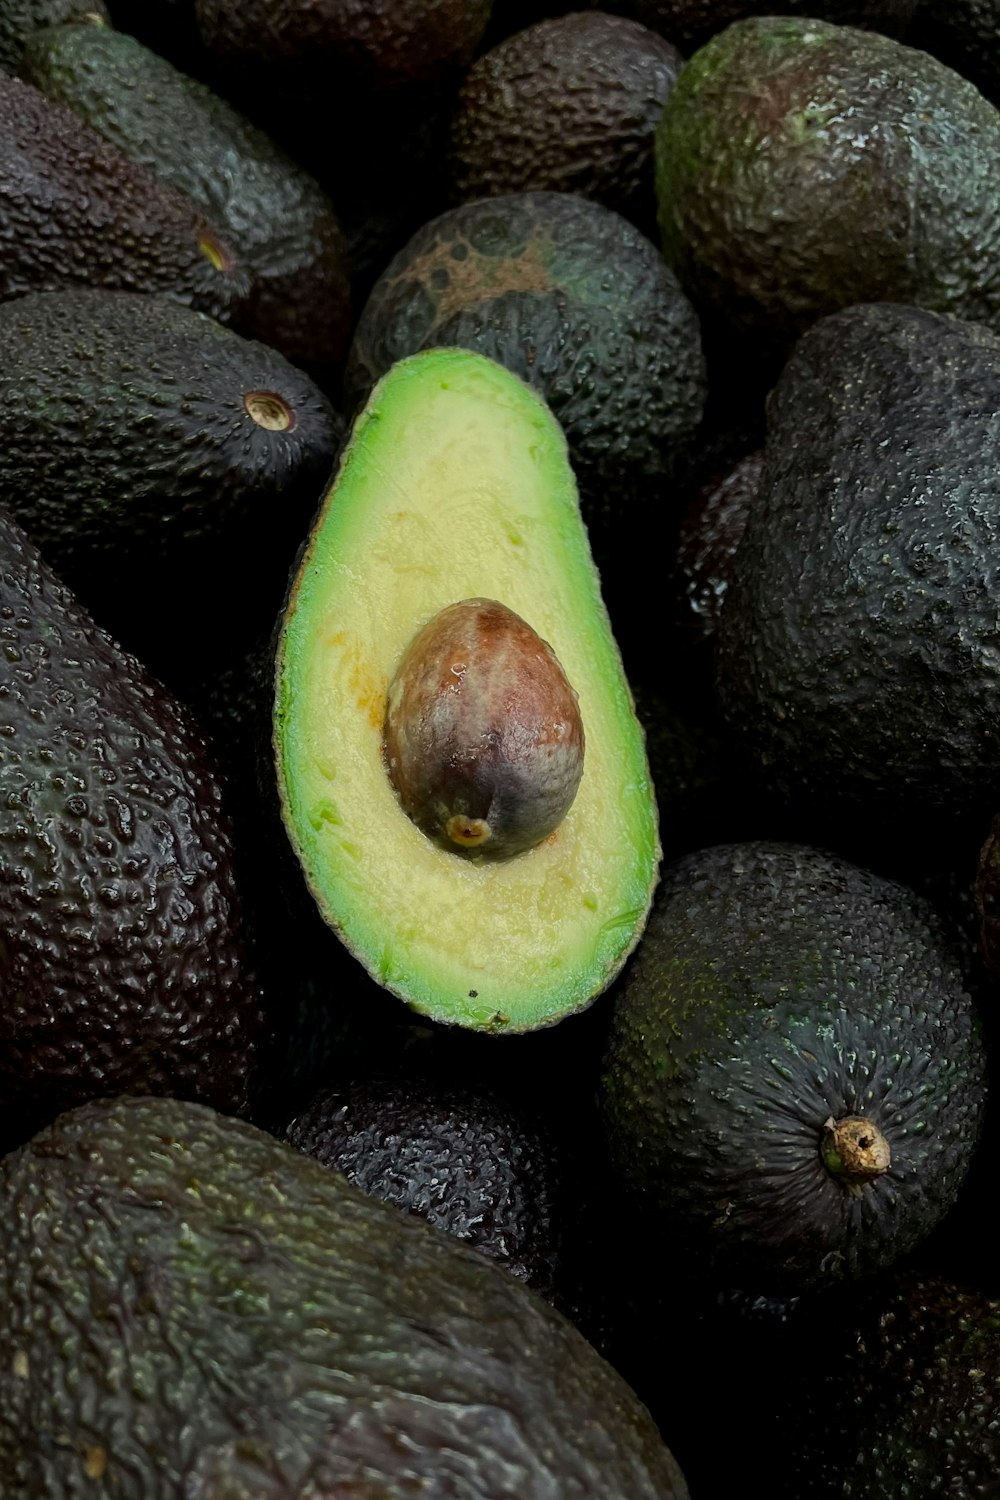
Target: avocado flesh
[456,484]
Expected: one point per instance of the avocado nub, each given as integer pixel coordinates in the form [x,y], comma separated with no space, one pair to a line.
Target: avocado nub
[456,486]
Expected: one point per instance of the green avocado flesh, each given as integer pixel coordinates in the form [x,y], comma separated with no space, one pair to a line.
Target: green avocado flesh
[456,485]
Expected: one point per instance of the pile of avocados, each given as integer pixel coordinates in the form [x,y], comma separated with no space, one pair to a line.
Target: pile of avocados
[499,749]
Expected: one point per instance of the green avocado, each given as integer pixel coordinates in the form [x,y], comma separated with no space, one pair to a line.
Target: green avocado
[446,677]
[19,18]
[795,1076]
[191,1308]
[142,442]
[802,167]
[276,217]
[123,962]
[75,212]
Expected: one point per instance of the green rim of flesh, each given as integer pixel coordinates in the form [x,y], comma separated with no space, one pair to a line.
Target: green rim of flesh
[456,484]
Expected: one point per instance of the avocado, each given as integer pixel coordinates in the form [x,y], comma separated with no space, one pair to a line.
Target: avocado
[963,34]
[569,104]
[123,962]
[690,23]
[856,650]
[572,298]
[19,18]
[802,167]
[795,1077]
[277,218]
[191,1308]
[140,443]
[453,495]
[75,212]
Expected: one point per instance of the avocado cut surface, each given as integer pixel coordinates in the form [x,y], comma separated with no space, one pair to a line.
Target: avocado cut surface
[456,484]
[199,1310]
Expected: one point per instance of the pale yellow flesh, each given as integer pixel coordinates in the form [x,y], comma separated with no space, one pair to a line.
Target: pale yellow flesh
[456,485]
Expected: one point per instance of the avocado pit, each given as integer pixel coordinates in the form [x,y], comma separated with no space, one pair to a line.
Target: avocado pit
[482,738]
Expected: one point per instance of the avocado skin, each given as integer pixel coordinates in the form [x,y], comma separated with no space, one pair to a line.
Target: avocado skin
[856,649]
[802,167]
[777,986]
[311,1340]
[122,963]
[128,454]
[568,105]
[19,18]
[276,217]
[962,34]
[74,211]
[690,23]
[575,301]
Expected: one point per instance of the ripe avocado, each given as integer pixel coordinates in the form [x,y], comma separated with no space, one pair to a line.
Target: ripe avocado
[802,167]
[569,104]
[141,442]
[455,486]
[75,212]
[190,1308]
[795,1077]
[122,955]
[856,650]
[19,18]
[276,217]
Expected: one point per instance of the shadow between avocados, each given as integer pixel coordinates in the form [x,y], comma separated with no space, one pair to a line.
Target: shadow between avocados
[456,486]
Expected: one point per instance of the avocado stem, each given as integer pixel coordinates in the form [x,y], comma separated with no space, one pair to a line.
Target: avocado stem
[854,1150]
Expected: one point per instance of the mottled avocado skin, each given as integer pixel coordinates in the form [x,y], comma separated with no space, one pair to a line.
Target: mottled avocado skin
[121,956]
[857,648]
[802,167]
[199,1310]
[20,18]
[776,987]
[129,452]
[75,212]
[274,214]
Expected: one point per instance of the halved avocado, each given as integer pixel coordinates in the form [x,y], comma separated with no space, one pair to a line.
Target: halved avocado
[455,486]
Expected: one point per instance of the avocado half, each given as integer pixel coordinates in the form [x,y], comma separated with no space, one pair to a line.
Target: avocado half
[455,485]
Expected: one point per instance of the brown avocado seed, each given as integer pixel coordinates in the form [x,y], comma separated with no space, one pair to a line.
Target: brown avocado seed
[482,738]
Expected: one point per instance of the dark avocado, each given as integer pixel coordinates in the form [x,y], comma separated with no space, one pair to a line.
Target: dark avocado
[122,954]
[276,217]
[197,1309]
[794,1082]
[802,167]
[569,104]
[709,533]
[75,212]
[19,18]
[141,443]
[857,647]
[459,1155]
[572,298]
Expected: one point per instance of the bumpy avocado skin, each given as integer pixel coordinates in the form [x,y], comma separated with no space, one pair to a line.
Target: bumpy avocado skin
[75,212]
[569,104]
[275,215]
[802,167]
[122,963]
[856,649]
[777,986]
[20,18]
[128,452]
[274,1332]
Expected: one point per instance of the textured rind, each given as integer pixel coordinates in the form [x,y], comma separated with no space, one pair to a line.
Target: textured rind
[466,1160]
[570,105]
[573,299]
[198,1310]
[273,213]
[777,986]
[127,452]
[907,1399]
[802,167]
[858,650]
[75,212]
[19,18]
[121,959]
[963,34]
[377,43]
